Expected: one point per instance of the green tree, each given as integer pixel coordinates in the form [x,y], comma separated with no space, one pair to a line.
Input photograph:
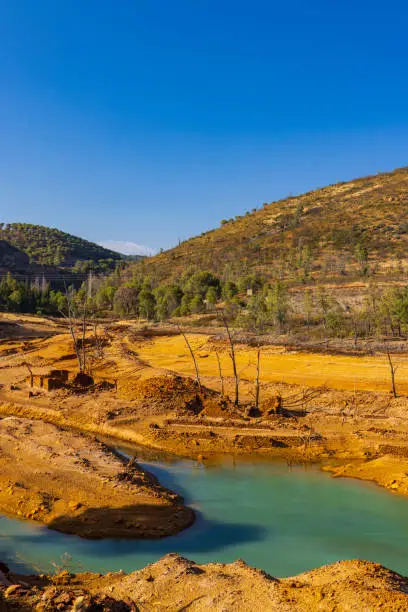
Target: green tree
[196,304]
[255,282]
[147,303]
[308,305]
[168,299]
[200,282]
[211,296]
[277,304]
[229,289]
[105,296]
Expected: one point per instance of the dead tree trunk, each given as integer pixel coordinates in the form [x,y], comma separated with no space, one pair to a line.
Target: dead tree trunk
[192,356]
[393,369]
[234,362]
[83,339]
[71,319]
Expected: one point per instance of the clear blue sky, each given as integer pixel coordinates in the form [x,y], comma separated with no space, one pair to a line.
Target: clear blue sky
[151,120]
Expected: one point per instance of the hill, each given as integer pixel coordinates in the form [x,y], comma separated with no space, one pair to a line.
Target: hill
[26,250]
[348,229]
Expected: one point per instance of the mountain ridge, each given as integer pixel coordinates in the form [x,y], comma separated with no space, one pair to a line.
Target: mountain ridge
[331,231]
[28,249]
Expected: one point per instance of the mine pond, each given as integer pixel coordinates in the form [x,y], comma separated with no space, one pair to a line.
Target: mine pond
[282,518]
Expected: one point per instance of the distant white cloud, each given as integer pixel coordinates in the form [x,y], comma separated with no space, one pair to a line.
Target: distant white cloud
[127,248]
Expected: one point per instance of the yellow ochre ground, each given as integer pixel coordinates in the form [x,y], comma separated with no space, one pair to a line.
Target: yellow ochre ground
[370,373]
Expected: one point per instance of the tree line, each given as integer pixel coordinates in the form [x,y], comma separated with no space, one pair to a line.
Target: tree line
[251,302]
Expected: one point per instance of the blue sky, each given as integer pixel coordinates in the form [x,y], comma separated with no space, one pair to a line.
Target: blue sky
[148,121]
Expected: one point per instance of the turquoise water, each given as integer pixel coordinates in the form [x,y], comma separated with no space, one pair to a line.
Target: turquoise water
[282,519]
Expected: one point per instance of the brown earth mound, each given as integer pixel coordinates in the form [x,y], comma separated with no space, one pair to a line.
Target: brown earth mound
[175,583]
[164,394]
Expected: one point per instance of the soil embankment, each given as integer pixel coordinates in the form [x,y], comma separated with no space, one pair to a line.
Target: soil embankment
[175,583]
[76,485]
[389,471]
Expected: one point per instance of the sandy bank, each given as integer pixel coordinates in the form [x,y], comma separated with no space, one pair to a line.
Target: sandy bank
[388,471]
[75,484]
[175,583]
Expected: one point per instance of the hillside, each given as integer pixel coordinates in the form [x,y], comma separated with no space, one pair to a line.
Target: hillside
[27,249]
[345,230]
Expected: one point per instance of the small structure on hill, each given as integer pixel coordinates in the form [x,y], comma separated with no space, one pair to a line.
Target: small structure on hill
[63,379]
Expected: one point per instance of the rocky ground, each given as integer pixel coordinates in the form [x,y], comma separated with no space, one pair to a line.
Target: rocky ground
[75,484]
[175,583]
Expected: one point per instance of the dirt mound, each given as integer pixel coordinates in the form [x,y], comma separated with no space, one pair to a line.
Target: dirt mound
[163,394]
[175,583]
[221,407]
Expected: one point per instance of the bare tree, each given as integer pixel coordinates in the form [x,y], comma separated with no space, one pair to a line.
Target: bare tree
[393,369]
[233,359]
[71,319]
[192,356]
[95,354]
[77,321]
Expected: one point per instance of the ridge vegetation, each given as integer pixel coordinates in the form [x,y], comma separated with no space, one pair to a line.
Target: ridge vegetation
[28,246]
[344,230]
